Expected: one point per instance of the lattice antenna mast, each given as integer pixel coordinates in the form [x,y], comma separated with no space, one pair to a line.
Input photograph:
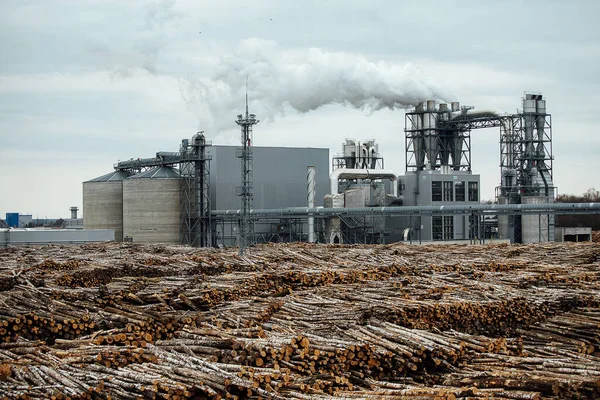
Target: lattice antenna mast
[245,191]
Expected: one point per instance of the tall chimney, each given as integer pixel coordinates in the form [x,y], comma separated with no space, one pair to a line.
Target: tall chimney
[311,196]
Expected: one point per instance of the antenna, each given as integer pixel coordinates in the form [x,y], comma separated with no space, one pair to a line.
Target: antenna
[246,223]
[246,96]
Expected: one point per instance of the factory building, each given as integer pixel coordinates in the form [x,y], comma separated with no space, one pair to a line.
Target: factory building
[526,171]
[17,220]
[359,180]
[206,195]
[438,168]
[437,188]
[279,181]
[279,176]
[438,172]
[149,206]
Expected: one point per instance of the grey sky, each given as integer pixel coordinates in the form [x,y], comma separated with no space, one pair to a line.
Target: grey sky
[84,83]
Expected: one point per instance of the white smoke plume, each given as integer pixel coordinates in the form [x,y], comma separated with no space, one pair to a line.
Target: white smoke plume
[303,80]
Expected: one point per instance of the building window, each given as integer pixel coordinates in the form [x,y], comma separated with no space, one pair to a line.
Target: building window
[448,192]
[442,228]
[448,228]
[459,191]
[473,191]
[436,191]
[436,228]
[473,226]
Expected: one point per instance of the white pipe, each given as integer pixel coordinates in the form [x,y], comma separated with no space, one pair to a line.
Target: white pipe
[311,189]
[483,112]
[345,173]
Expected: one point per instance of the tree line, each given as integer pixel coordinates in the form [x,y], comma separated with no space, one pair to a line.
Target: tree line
[590,196]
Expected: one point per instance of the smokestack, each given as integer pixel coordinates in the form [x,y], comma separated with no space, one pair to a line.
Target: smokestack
[311,196]
[74,212]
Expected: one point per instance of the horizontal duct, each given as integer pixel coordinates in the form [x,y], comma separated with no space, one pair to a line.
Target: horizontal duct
[492,209]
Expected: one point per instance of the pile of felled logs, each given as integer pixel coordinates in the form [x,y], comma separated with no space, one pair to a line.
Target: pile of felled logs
[300,321]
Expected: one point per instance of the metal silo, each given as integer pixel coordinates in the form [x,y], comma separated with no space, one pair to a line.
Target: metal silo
[103,203]
[536,228]
[151,206]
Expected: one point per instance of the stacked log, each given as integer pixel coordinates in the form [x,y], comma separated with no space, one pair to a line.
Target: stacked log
[300,321]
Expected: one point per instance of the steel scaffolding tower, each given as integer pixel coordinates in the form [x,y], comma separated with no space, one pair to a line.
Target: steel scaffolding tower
[246,223]
[194,168]
[526,158]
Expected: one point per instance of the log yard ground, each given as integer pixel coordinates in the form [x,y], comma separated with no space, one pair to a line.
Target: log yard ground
[300,321]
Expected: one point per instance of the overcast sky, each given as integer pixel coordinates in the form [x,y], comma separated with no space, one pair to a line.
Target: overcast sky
[85,83]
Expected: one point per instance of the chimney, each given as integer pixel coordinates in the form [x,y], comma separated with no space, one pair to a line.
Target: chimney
[311,196]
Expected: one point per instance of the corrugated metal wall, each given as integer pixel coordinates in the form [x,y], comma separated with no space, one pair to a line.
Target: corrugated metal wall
[24,237]
[279,176]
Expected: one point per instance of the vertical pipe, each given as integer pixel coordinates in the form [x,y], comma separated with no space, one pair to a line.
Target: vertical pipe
[426,140]
[198,236]
[431,139]
[529,114]
[311,196]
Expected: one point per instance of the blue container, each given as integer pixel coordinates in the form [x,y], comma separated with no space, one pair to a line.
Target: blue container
[12,220]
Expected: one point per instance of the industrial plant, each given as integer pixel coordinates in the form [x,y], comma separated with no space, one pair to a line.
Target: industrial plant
[251,319]
[205,195]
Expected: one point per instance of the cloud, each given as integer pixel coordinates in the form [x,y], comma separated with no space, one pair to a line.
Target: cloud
[144,49]
[127,99]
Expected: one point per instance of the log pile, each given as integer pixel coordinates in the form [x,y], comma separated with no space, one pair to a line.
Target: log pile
[300,321]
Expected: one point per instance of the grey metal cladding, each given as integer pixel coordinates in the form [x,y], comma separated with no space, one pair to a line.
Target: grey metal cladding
[158,173]
[279,176]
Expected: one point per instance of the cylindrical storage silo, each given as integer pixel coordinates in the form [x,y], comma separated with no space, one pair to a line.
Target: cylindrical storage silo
[534,227]
[103,203]
[503,222]
[151,206]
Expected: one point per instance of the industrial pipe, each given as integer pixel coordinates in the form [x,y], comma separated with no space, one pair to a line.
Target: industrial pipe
[539,208]
[345,173]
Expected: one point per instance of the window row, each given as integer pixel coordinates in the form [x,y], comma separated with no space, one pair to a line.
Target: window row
[442,227]
[453,191]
